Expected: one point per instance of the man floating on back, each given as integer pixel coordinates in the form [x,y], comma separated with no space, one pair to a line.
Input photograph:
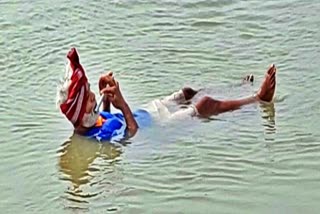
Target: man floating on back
[77,102]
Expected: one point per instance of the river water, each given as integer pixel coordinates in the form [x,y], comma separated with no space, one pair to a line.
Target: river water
[259,159]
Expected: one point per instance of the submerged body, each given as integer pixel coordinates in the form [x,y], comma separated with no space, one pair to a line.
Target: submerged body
[113,126]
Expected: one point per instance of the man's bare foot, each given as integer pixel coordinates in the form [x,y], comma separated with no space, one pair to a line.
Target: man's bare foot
[268,86]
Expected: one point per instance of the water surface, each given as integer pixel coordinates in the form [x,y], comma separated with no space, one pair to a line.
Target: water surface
[260,159]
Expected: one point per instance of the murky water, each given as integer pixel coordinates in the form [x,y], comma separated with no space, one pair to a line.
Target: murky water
[260,159]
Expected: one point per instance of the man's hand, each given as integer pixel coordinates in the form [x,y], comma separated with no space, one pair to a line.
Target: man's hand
[112,91]
[106,79]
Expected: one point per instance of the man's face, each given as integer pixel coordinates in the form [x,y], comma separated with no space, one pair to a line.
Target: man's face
[90,117]
[91,103]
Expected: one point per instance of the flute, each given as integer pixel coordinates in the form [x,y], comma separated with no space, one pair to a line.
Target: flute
[96,109]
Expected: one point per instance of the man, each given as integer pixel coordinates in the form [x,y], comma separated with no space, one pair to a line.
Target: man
[77,102]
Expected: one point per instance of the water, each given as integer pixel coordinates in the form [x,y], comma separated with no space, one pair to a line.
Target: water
[260,159]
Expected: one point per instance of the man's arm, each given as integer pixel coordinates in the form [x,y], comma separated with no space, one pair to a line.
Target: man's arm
[106,104]
[113,94]
[132,126]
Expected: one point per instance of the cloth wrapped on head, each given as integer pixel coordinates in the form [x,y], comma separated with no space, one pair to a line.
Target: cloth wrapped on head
[74,106]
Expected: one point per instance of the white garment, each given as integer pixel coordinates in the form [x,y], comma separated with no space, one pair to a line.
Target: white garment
[159,108]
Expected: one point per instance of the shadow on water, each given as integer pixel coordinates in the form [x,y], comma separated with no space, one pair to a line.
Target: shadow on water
[83,162]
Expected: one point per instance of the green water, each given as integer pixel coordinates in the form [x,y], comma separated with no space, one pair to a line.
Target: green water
[260,159]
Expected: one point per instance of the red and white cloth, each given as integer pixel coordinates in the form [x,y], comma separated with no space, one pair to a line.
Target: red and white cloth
[75,105]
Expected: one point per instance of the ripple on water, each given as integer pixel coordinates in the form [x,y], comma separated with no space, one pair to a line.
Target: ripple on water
[251,159]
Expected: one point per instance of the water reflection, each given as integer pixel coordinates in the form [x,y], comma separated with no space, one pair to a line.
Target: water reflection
[82,162]
[268,116]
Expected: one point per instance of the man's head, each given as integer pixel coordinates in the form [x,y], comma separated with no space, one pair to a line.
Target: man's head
[75,98]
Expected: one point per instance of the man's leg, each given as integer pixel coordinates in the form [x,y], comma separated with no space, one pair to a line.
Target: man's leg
[208,106]
[160,108]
